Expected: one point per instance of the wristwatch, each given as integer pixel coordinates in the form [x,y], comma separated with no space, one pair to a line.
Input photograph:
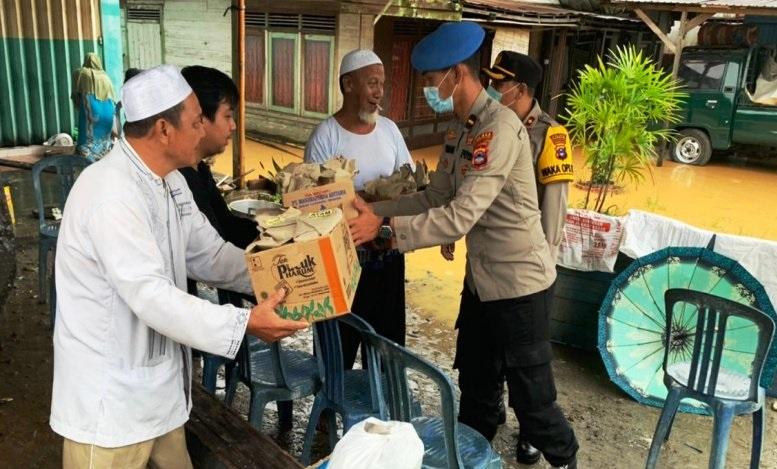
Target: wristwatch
[385,232]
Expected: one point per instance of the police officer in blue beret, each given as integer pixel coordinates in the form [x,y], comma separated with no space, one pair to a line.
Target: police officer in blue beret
[484,189]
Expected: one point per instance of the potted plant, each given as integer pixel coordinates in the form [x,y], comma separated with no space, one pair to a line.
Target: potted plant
[615,114]
[618,113]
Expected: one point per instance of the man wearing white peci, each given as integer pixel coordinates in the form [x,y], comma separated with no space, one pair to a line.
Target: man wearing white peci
[130,236]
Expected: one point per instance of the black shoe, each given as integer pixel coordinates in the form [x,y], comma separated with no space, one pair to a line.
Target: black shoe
[502,419]
[527,454]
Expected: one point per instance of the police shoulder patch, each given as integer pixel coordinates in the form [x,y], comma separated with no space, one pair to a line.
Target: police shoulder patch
[555,162]
[483,139]
[559,140]
[480,158]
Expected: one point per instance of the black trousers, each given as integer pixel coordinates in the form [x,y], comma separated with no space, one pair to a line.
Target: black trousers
[379,300]
[510,339]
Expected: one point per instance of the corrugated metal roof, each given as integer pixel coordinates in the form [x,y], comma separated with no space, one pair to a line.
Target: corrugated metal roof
[766,4]
[531,13]
[522,7]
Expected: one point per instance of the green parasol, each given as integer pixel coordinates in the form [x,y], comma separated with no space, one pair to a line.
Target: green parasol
[632,320]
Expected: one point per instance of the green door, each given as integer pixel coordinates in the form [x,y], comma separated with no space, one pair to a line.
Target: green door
[755,124]
[711,86]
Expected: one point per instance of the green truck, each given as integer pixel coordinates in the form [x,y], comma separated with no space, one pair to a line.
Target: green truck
[718,114]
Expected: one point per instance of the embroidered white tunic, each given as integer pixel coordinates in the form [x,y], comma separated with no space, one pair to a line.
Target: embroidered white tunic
[122,362]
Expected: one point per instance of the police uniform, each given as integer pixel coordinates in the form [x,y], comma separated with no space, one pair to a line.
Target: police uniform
[550,144]
[484,189]
[552,155]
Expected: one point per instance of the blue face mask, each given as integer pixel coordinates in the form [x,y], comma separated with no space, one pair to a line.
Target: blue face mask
[497,96]
[494,94]
[432,95]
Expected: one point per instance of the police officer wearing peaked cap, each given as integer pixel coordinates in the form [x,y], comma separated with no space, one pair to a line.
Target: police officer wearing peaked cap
[484,189]
[514,79]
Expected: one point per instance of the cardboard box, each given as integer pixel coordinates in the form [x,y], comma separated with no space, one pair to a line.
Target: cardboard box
[337,194]
[320,276]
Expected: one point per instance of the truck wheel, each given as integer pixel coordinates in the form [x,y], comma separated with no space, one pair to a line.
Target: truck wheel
[692,147]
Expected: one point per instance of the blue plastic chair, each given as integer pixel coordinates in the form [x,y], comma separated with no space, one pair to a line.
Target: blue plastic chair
[350,393]
[210,369]
[447,442]
[212,363]
[67,168]
[272,374]
[726,392]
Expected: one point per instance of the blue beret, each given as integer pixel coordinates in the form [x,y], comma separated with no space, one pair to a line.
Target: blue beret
[448,45]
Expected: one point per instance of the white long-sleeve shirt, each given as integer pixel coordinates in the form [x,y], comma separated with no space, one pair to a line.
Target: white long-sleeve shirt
[127,242]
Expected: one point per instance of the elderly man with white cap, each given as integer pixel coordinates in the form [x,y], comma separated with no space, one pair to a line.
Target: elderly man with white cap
[357,131]
[130,236]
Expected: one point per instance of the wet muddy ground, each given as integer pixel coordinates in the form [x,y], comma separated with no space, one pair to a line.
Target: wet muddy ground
[614,431]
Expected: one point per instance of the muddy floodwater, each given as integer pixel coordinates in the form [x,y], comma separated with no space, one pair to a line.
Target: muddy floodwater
[729,195]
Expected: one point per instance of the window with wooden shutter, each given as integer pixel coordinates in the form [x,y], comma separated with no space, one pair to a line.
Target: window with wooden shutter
[317,74]
[255,65]
[283,71]
[290,62]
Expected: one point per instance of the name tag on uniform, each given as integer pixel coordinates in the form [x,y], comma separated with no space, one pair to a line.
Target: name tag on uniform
[449,148]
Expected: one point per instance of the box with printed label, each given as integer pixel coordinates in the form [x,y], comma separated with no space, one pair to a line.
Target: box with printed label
[338,194]
[320,276]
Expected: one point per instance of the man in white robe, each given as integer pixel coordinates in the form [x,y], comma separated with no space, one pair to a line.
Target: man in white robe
[125,325]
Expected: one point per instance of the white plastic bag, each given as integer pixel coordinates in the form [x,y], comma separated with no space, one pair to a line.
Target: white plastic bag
[591,241]
[375,444]
[766,84]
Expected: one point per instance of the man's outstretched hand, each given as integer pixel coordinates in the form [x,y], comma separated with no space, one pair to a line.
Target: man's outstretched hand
[447,251]
[267,325]
[364,228]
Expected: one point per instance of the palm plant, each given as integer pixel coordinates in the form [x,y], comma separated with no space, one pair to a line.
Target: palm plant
[615,115]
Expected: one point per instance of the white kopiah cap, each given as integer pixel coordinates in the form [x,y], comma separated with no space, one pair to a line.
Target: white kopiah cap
[153,91]
[357,59]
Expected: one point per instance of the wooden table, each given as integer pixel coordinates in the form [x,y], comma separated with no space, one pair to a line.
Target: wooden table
[218,438]
[26,157]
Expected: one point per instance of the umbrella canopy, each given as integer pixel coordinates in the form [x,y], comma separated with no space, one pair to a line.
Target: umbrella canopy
[632,319]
